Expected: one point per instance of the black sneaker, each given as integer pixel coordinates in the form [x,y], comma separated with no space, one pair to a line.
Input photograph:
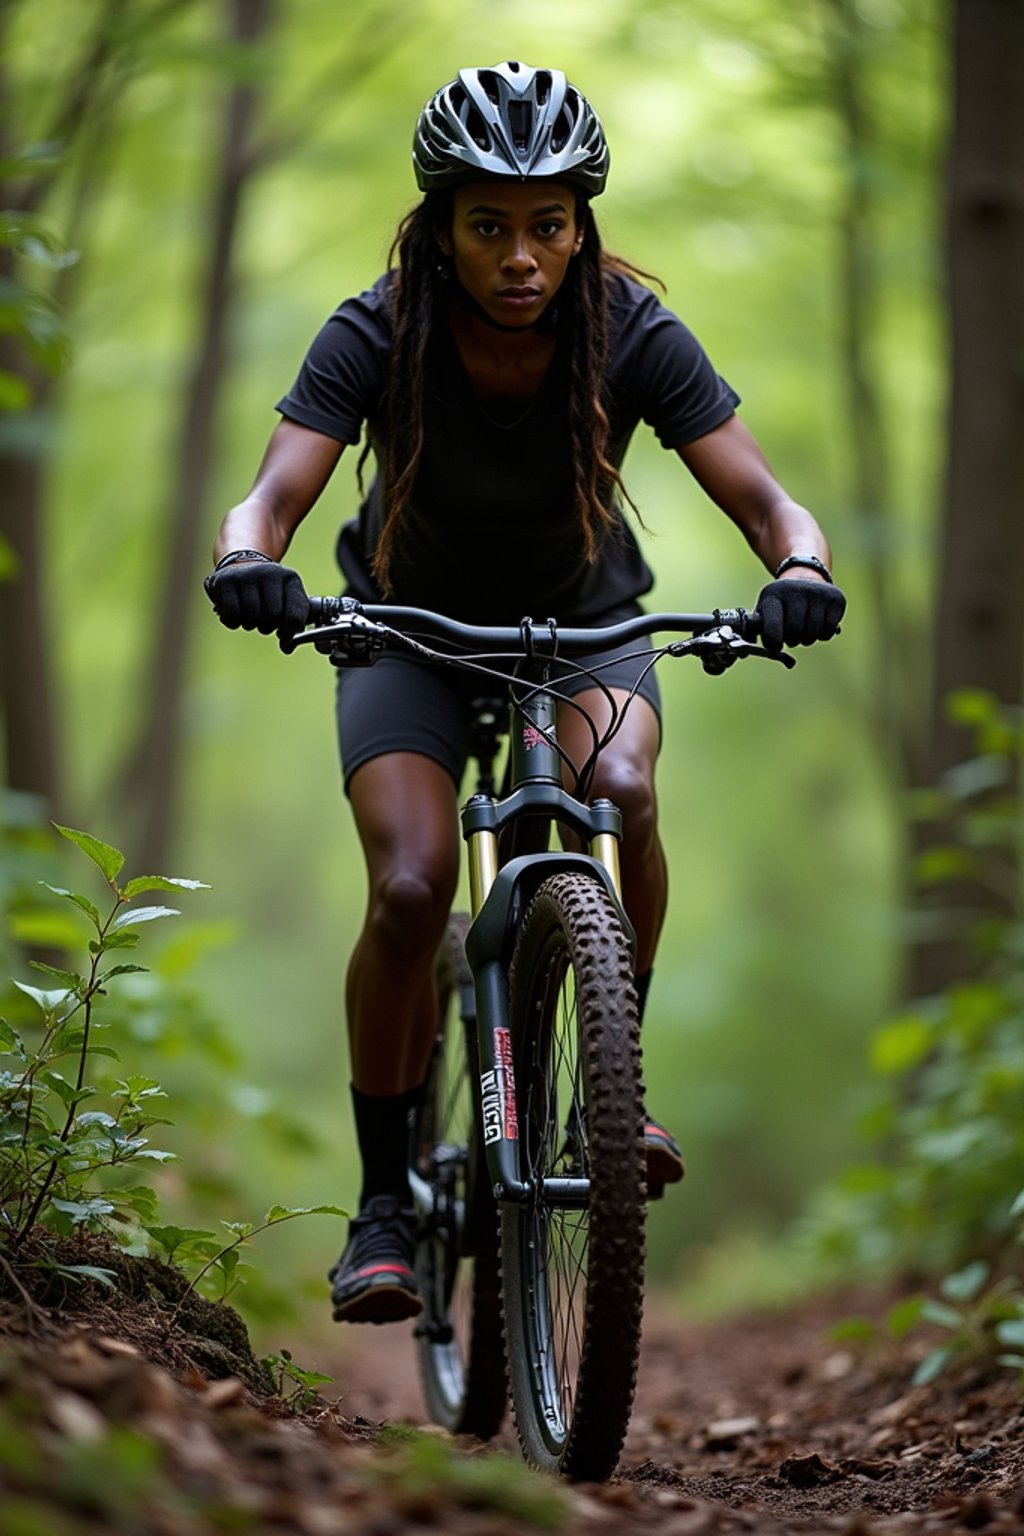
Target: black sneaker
[664,1159]
[373,1281]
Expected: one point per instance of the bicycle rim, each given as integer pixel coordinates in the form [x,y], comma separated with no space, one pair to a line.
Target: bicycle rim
[459,1337]
[573,1278]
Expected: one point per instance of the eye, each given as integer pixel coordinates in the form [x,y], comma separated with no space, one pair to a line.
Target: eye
[486,227]
[549,228]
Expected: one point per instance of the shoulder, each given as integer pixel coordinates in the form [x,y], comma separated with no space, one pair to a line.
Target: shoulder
[636,312]
[367,313]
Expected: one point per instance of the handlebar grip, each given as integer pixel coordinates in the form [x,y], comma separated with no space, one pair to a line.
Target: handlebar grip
[324,610]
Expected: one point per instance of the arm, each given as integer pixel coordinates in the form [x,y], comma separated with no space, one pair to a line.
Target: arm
[254,591]
[296,466]
[801,605]
[728,464]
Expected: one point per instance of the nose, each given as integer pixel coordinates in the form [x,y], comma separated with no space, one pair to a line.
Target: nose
[518,259]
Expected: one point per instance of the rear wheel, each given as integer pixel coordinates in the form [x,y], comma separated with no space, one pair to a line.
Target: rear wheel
[572,1275]
[459,1336]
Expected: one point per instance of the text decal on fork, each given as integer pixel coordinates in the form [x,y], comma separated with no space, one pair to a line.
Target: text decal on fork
[498,1093]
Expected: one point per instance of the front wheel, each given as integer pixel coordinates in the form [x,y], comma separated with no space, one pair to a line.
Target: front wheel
[572,1276]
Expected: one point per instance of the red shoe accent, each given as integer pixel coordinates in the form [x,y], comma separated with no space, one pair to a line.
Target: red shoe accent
[383,1269]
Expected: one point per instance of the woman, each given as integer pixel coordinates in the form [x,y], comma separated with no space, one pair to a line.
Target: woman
[500,371]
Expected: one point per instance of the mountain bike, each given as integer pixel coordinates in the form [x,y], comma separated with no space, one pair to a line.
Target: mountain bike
[527,1159]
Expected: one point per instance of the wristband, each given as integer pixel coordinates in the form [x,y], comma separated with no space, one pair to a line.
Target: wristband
[810,561]
[238,555]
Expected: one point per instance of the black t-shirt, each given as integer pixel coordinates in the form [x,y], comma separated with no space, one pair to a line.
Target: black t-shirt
[491,532]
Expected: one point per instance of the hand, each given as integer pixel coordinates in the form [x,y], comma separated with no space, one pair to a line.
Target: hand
[259,594]
[795,611]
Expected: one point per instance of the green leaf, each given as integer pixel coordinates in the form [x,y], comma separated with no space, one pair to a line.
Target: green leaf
[78,1211]
[933,1365]
[49,1002]
[142,1200]
[66,1090]
[96,1117]
[1017,1208]
[131,918]
[965,1284]
[123,970]
[937,865]
[1011,1331]
[91,911]
[70,979]
[286,1212]
[151,1155]
[160,883]
[945,1317]
[108,859]
[170,1239]
[904,1316]
[900,1044]
[1015,1362]
[126,938]
[11,1042]
[84,1272]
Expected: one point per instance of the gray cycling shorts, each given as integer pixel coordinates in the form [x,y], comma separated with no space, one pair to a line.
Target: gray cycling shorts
[402,704]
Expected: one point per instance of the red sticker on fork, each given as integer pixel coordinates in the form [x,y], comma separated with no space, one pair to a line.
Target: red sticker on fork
[498,1093]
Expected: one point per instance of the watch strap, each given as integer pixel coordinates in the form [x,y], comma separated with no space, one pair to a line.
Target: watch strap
[811,562]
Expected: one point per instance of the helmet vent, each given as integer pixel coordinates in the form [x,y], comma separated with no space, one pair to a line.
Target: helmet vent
[520,120]
[542,87]
[561,131]
[476,127]
[489,83]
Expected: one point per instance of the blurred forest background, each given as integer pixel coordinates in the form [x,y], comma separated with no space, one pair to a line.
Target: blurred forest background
[832,195]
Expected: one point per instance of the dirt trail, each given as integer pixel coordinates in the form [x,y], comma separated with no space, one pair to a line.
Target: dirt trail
[757,1426]
[765,1425]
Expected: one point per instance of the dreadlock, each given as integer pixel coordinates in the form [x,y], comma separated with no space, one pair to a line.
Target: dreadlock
[418,299]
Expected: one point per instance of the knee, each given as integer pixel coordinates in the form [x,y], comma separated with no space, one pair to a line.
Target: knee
[409,907]
[630,786]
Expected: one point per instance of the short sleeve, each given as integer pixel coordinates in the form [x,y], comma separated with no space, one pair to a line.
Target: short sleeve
[343,375]
[674,385]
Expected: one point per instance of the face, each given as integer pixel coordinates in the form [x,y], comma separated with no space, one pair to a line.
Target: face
[512,242]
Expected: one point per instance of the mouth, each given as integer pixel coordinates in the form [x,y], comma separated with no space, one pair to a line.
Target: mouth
[520,297]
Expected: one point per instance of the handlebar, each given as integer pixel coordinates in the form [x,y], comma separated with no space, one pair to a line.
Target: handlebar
[539,638]
[355,632]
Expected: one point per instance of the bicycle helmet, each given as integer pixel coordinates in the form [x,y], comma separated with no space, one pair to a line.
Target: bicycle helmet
[509,120]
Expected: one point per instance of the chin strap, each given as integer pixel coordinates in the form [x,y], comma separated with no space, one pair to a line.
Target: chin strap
[544,323]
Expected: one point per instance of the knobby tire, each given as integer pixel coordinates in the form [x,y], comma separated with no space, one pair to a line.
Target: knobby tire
[572,1280]
[459,1336]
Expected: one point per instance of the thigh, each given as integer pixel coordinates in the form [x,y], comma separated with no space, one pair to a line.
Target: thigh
[400,705]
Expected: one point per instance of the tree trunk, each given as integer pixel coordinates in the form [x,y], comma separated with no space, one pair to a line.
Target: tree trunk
[153,775]
[979,632]
[29,713]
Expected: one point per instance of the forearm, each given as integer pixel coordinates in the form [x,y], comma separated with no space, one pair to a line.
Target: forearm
[253,524]
[786,528]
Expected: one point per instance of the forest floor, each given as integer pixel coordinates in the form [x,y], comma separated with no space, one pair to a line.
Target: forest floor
[759,1425]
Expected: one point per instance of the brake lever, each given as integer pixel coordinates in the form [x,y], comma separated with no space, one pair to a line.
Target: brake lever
[720,648]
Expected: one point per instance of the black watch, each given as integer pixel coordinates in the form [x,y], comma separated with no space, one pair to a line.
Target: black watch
[810,561]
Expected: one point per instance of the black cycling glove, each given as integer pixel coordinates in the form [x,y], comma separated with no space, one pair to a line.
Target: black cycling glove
[258,594]
[796,612]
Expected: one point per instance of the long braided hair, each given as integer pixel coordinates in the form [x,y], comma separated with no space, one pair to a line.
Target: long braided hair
[420,288]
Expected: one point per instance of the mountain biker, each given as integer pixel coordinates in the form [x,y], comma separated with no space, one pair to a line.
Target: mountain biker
[499,371]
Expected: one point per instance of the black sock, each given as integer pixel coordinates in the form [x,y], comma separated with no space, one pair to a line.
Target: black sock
[643,986]
[382,1131]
